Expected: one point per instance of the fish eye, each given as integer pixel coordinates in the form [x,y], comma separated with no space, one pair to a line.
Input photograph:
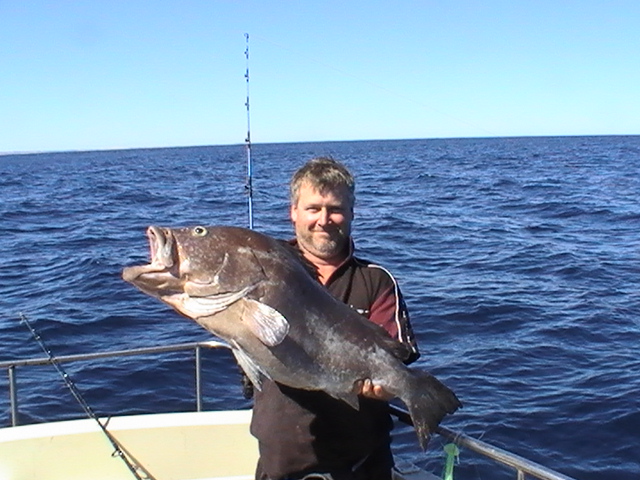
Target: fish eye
[199,231]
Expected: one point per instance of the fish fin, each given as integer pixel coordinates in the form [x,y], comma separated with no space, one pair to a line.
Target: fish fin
[402,351]
[428,402]
[350,399]
[265,322]
[253,371]
[296,253]
[204,306]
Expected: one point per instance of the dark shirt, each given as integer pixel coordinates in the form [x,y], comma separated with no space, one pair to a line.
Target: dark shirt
[302,431]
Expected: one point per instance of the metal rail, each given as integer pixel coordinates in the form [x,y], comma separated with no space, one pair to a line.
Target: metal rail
[520,464]
[11,366]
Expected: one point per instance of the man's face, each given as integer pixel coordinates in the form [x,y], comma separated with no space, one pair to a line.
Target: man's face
[322,222]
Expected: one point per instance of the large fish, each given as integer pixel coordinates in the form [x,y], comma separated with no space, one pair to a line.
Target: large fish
[256,293]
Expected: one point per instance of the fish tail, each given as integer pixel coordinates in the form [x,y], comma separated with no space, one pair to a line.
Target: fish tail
[429,401]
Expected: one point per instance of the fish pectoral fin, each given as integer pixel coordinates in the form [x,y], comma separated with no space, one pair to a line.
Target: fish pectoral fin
[253,371]
[265,322]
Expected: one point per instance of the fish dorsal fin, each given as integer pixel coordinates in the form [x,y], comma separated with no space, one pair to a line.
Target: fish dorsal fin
[265,322]
[400,350]
[296,253]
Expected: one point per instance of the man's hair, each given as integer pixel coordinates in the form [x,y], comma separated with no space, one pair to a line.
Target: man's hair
[325,175]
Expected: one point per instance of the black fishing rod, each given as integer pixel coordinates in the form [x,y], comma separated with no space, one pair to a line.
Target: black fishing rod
[119,451]
[249,184]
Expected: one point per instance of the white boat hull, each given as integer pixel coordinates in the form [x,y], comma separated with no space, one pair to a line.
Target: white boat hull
[172,446]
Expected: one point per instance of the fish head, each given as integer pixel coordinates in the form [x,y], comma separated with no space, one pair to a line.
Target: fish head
[199,270]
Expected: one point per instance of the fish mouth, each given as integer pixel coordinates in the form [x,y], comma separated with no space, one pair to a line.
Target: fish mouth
[160,246]
[162,250]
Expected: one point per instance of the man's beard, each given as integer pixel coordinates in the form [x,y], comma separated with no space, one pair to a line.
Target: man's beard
[326,246]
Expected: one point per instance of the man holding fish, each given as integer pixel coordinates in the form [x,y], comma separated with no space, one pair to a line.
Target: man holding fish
[322,335]
[303,432]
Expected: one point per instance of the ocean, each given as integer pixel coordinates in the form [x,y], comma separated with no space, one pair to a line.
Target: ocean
[519,259]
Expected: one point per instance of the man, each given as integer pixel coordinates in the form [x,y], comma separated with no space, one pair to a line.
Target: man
[308,433]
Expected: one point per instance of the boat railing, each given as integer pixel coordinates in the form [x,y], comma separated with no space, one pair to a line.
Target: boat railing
[521,465]
[11,366]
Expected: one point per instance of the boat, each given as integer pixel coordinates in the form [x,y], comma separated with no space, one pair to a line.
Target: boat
[198,445]
[194,445]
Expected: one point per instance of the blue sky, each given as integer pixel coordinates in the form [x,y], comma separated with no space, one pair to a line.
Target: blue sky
[92,74]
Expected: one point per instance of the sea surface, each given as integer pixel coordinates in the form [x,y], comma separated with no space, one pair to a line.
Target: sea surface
[519,259]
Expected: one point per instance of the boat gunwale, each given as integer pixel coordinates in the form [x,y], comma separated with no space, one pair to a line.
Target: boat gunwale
[521,464]
[126,422]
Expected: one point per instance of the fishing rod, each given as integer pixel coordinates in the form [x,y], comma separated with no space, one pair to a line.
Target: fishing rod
[119,451]
[249,184]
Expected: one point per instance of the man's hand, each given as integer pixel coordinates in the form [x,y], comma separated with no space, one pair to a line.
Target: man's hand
[366,388]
